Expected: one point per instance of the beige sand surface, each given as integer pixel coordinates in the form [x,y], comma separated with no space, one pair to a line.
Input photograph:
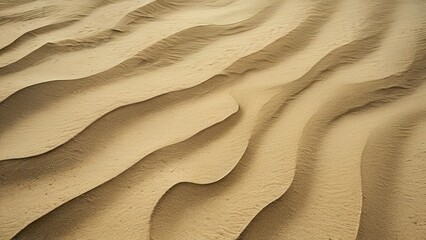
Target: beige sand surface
[212,119]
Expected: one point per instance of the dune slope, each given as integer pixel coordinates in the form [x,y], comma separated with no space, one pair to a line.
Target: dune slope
[216,119]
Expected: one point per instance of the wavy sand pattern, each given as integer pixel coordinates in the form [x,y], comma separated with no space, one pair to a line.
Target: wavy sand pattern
[213,119]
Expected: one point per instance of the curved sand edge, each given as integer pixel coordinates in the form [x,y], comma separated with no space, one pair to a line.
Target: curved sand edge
[217,119]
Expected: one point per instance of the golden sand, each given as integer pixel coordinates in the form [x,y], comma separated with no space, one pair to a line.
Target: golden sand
[212,119]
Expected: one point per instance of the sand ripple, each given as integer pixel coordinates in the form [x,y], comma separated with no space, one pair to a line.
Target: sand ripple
[217,119]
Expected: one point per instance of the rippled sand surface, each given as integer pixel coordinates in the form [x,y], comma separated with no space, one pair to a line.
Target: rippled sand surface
[213,119]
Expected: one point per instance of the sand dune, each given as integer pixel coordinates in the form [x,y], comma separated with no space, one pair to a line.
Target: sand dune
[217,119]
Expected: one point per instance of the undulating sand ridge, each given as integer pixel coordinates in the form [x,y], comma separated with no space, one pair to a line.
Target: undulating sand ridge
[230,76]
[77,159]
[388,89]
[74,47]
[218,119]
[328,62]
[380,218]
[161,54]
[150,11]
[44,20]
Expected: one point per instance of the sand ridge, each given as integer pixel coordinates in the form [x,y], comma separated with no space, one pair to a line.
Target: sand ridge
[217,119]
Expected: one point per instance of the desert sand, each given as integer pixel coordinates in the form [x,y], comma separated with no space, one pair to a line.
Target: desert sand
[213,119]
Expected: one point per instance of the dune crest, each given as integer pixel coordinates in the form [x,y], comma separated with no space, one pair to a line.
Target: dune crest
[217,119]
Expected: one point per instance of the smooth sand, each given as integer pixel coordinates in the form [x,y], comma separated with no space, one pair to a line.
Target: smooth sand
[213,119]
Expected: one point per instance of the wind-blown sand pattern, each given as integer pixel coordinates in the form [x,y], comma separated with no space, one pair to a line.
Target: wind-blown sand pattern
[213,119]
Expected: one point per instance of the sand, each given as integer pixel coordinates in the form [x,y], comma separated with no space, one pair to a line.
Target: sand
[212,119]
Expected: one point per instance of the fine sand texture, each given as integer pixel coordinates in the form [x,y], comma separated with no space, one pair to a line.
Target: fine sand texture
[212,119]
